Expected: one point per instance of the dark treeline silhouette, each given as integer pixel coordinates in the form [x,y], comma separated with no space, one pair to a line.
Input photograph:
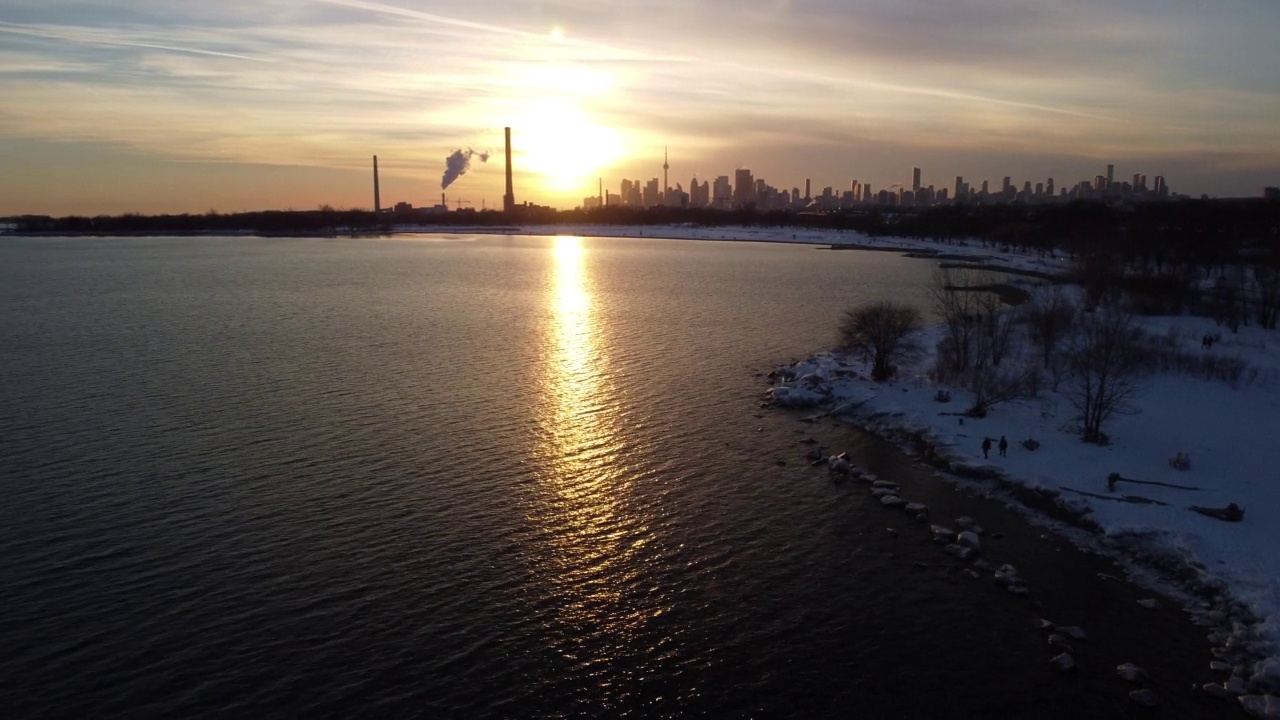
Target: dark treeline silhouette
[1173,239]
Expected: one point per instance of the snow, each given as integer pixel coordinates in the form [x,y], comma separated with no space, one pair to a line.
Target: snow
[971,250]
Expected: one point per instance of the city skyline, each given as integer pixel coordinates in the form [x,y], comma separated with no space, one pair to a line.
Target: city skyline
[745,189]
[162,107]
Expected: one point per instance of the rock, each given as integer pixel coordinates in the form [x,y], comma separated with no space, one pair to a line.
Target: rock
[969,540]
[1150,604]
[1042,624]
[919,508]
[1266,707]
[1145,697]
[972,573]
[1075,632]
[869,477]
[959,551]
[922,518]
[1019,590]
[1131,672]
[838,466]
[964,521]
[881,492]
[1007,575]
[892,501]
[1063,662]
[942,533]
[1058,642]
[997,536]
[815,453]
[1216,690]
[1235,685]
[885,484]
[983,565]
[1220,667]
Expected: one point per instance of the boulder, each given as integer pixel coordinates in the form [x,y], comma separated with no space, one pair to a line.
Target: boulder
[1006,575]
[958,551]
[1266,707]
[1063,662]
[1150,604]
[1131,672]
[945,534]
[969,540]
[892,501]
[1216,690]
[918,508]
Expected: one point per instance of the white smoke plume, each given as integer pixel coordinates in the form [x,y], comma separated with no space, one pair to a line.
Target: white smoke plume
[458,163]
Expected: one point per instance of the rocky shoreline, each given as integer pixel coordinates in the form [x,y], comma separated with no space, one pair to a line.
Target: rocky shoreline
[1240,651]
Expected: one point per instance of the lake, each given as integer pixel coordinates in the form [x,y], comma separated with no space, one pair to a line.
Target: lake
[491,476]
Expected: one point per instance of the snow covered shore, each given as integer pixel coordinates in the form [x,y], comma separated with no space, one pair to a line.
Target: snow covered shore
[1229,572]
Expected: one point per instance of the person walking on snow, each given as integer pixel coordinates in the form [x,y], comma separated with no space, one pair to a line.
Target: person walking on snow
[1004,446]
[986,446]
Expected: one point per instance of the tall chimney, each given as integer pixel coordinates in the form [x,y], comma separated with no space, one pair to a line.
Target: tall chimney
[509,200]
[377,198]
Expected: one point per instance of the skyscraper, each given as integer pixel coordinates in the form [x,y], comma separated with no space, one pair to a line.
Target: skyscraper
[744,187]
[915,180]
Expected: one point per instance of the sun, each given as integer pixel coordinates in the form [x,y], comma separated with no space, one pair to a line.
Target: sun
[563,147]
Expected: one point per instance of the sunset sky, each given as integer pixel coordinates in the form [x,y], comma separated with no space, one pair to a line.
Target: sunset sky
[166,106]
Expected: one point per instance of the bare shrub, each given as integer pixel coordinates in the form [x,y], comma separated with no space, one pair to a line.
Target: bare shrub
[992,385]
[881,333]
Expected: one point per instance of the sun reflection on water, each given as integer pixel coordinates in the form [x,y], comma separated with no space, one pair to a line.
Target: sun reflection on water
[581,514]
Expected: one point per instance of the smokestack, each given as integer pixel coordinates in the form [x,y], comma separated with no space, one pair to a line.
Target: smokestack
[509,200]
[442,203]
[377,197]
[601,195]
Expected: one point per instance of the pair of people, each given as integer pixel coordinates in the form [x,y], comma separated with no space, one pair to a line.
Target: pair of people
[986,446]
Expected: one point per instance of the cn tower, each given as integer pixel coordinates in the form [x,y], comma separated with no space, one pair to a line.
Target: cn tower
[666,186]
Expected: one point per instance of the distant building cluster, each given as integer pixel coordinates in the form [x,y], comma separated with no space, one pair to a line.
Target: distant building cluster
[747,191]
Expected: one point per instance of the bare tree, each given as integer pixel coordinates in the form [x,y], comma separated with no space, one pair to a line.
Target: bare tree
[997,325]
[1049,317]
[1266,279]
[881,333]
[959,311]
[1105,361]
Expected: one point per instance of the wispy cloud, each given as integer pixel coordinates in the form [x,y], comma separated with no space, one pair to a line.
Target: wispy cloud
[110,37]
[325,82]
